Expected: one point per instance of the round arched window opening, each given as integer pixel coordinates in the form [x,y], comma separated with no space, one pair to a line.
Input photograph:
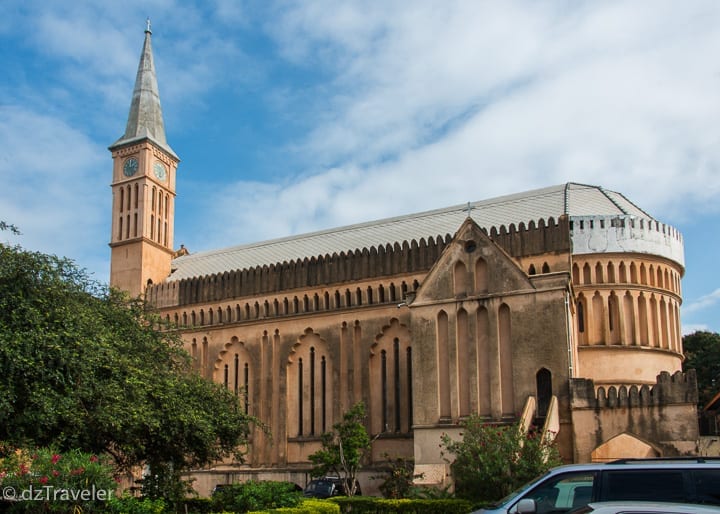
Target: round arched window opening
[470,246]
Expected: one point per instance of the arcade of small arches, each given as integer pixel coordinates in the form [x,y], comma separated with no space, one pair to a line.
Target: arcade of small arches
[631,318]
[644,315]
[653,275]
[372,294]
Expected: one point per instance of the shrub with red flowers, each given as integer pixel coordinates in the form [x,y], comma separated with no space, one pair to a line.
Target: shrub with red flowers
[493,460]
[44,480]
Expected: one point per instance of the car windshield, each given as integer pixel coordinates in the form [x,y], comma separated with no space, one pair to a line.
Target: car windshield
[319,486]
[510,497]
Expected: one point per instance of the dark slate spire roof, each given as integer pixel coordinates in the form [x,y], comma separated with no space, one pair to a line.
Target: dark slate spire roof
[145,120]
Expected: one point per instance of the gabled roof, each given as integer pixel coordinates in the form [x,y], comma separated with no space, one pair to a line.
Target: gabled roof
[145,120]
[571,199]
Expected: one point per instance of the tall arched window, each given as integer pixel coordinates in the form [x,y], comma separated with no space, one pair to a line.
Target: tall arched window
[443,365]
[506,364]
[234,364]
[581,319]
[460,278]
[613,319]
[310,388]
[543,384]
[481,276]
[391,380]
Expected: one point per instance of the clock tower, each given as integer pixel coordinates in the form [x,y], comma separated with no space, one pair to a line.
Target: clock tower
[143,188]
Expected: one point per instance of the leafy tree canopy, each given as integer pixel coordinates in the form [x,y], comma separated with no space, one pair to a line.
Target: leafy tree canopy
[702,353]
[83,367]
[343,449]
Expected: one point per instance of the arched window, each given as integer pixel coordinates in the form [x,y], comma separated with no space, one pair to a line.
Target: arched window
[460,278]
[580,316]
[611,272]
[310,388]
[443,368]
[233,363]
[391,381]
[613,318]
[598,273]
[543,384]
[506,365]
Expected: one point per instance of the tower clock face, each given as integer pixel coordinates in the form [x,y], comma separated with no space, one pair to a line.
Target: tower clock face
[159,170]
[130,167]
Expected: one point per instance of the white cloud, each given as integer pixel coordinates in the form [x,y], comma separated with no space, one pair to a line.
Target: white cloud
[51,190]
[424,99]
[704,302]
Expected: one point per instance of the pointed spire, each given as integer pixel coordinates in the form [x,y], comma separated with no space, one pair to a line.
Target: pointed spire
[145,119]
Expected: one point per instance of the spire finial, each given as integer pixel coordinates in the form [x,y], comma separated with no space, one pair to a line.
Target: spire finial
[147,26]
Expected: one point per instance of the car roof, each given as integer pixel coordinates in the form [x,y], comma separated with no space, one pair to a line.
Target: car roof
[612,507]
[620,464]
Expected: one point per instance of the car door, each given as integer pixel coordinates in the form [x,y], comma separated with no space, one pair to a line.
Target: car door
[562,492]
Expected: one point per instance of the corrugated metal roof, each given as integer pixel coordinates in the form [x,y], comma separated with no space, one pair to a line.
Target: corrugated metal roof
[571,198]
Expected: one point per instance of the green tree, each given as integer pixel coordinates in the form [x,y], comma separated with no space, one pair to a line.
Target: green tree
[343,449]
[83,367]
[491,461]
[702,353]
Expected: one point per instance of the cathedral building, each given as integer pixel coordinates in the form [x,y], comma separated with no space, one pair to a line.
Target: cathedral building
[557,306]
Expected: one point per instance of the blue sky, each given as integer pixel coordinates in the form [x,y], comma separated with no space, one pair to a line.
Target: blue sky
[296,116]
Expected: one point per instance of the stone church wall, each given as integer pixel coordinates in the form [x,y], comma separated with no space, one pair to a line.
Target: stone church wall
[662,417]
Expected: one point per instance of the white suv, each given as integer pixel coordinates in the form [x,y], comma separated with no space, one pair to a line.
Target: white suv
[680,480]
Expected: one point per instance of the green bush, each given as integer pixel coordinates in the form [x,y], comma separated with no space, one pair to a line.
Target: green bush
[309,506]
[45,480]
[256,496]
[369,505]
[491,461]
[132,505]
[197,505]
